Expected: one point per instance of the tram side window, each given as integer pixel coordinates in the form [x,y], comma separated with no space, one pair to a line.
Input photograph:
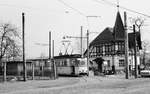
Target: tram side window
[57,63]
[37,64]
[65,63]
[60,63]
[76,63]
[72,62]
[69,62]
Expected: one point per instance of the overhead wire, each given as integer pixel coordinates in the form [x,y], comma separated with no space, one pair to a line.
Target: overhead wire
[67,5]
[8,5]
[98,1]
[135,11]
[18,6]
[113,4]
[25,8]
[79,12]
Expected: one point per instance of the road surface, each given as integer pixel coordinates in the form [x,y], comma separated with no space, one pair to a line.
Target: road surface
[80,85]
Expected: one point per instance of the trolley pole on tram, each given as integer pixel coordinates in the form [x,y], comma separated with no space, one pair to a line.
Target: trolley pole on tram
[81,39]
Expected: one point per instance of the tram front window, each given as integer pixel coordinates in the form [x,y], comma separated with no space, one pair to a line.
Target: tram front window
[76,63]
[82,64]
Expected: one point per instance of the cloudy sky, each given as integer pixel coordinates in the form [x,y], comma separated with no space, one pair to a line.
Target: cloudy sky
[65,17]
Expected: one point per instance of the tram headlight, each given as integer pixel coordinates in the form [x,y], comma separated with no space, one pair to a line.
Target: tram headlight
[82,71]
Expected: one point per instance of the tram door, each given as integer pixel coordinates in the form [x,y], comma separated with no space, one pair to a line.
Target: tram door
[73,69]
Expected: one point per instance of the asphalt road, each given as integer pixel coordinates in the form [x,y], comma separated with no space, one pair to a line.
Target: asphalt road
[81,85]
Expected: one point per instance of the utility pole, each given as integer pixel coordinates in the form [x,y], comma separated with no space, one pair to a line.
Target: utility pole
[113,57]
[23,43]
[4,77]
[53,49]
[54,64]
[33,70]
[88,50]
[49,45]
[126,46]
[81,42]
[135,57]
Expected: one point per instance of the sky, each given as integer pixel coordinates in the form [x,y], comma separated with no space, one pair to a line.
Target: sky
[65,18]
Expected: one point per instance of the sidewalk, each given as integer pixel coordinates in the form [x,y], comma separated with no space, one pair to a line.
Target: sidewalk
[9,87]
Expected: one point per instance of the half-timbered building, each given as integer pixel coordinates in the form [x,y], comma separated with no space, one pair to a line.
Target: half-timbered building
[109,47]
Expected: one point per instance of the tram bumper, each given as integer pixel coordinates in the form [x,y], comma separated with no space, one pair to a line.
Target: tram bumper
[83,71]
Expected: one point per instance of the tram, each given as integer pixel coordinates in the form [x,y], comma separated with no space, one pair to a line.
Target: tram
[71,65]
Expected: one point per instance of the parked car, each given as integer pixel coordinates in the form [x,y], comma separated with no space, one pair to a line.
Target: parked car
[145,73]
[108,72]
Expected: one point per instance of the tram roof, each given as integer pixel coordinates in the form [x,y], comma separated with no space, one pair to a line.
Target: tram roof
[68,56]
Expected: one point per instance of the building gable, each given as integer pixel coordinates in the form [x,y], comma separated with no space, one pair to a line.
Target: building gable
[118,30]
[105,36]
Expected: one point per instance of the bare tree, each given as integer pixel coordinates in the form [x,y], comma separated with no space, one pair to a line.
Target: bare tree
[9,48]
[145,45]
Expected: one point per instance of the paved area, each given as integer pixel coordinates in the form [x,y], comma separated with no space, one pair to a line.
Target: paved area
[80,85]
[14,87]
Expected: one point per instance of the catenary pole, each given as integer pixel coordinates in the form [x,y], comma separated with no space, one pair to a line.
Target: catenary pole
[88,50]
[33,70]
[23,46]
[135,57]
[49,45]
[54,64]
[126,46]
[53,49]
[81,41]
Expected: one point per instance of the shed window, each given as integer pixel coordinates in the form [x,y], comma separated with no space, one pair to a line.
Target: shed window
[121,63]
